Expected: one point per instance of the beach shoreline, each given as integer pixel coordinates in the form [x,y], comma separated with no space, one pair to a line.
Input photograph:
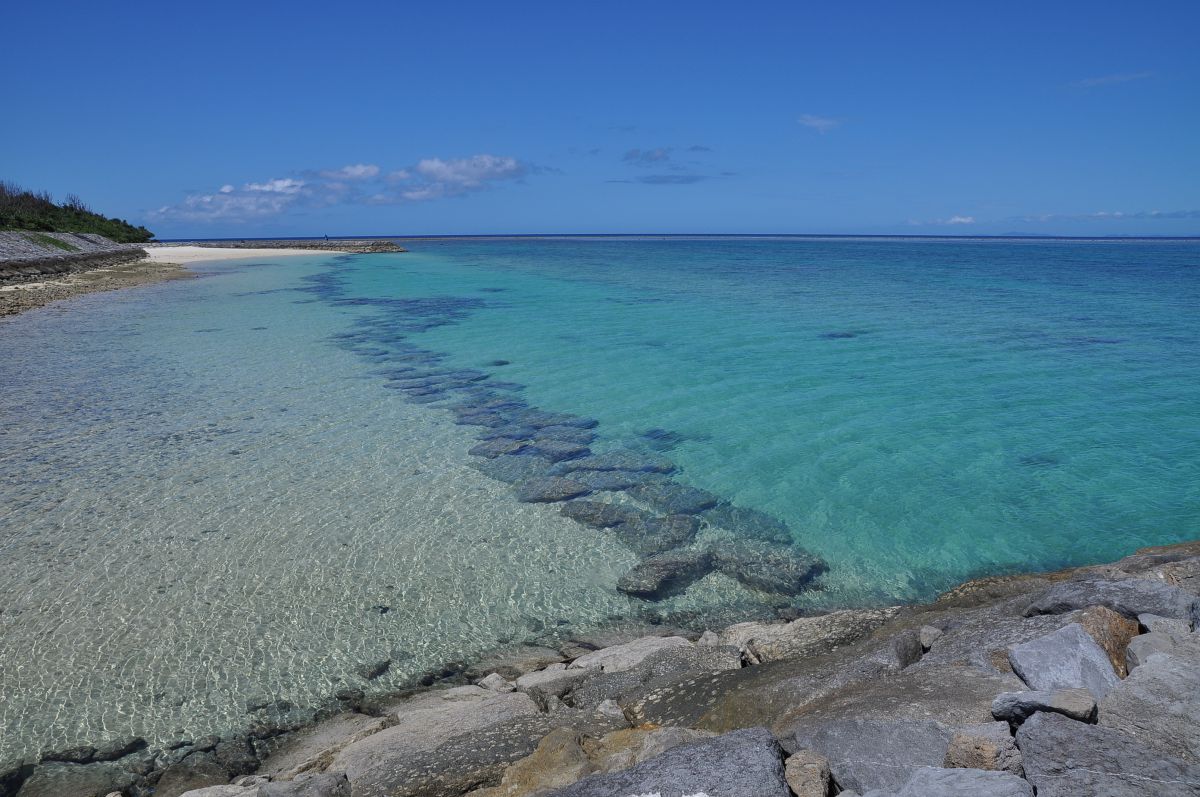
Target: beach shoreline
[161,264]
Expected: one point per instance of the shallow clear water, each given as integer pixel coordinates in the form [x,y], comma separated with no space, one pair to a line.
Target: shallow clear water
[210,491]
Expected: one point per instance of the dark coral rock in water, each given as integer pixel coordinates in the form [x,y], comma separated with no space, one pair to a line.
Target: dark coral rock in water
[661,439]
[497,447]
[556,451]
[601,515]
[651,535]
[1040,460]
[612,479]
[548,489]
[749,523]
[674,498]
[513,470]
[842,335]
[619,460]
[665,574]
[566,434]
[766,567]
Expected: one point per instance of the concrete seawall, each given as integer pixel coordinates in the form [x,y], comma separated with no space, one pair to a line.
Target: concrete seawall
[31,256]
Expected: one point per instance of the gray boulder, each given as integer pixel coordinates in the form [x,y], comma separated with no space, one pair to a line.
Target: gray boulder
[989,746]
[737,764]
[1159,703]
[330,784]
[1016,707]
[1172,643]
[1064,758]
[1152,623]
[1066,659]
[628,655]
[1130,597]
[806,636]
[937,782]
[875,733]
[513,662]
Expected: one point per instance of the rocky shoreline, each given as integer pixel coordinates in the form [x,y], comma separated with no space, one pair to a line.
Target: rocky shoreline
[1084,681]
[352,245]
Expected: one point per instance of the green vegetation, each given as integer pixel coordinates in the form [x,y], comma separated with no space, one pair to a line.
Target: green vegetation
[50,240]
[26,210]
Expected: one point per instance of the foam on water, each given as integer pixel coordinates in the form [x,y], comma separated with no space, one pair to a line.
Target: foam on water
[210,497]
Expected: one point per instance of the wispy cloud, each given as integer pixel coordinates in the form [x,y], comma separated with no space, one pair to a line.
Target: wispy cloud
[1111,215]
[357,171]
[822,124]
[646,157]
[665,179]
[360,183]
[1111,80]
[955,220]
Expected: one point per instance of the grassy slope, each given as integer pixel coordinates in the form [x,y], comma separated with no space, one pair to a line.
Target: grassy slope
[26,210]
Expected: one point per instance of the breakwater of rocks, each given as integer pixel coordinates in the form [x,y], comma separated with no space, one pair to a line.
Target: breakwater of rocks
[352,245]
[30,256]
[1084,681]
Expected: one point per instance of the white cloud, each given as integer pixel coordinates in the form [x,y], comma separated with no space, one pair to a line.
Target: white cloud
[960,220]
[822,124]
[1112,215]
[1111,80]
[357,171]
[361,183]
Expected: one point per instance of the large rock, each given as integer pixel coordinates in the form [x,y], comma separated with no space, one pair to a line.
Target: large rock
[1066,659]
[1016,707]
[512,663]
[616,460]
[1064,758]
[935,782]
[564,757]
[331,784]
[382,763]
[628,655]
[657,674]
[807,773]
[806,636]
[1159,703]
[193,772]
[1172,643]
[1130,597]
[876,732]
[61,779]
[313,748]
[653,535]
[1112,632]
[746,762]
[989,745]
[767,567]
[748,523]
[981,636]
[665,574]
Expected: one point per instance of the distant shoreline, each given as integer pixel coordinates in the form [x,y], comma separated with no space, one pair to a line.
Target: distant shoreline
[701,236]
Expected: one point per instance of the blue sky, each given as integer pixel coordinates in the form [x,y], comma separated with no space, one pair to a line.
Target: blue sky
[231,119]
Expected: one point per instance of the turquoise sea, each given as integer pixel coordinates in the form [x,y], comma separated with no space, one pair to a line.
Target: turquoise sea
[254,484]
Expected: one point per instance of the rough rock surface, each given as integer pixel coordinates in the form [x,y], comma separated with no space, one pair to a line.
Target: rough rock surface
[1130,597]
[314,748]
[877,732]
[512,663]
[1159,703]
[1066,659]
[989,745]
[61,779]
[806,636]
[766,567]
[1064,758]
[1016,707]
[935,782]
[1111,631]
[807,773]
[736,764]
[627,656]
